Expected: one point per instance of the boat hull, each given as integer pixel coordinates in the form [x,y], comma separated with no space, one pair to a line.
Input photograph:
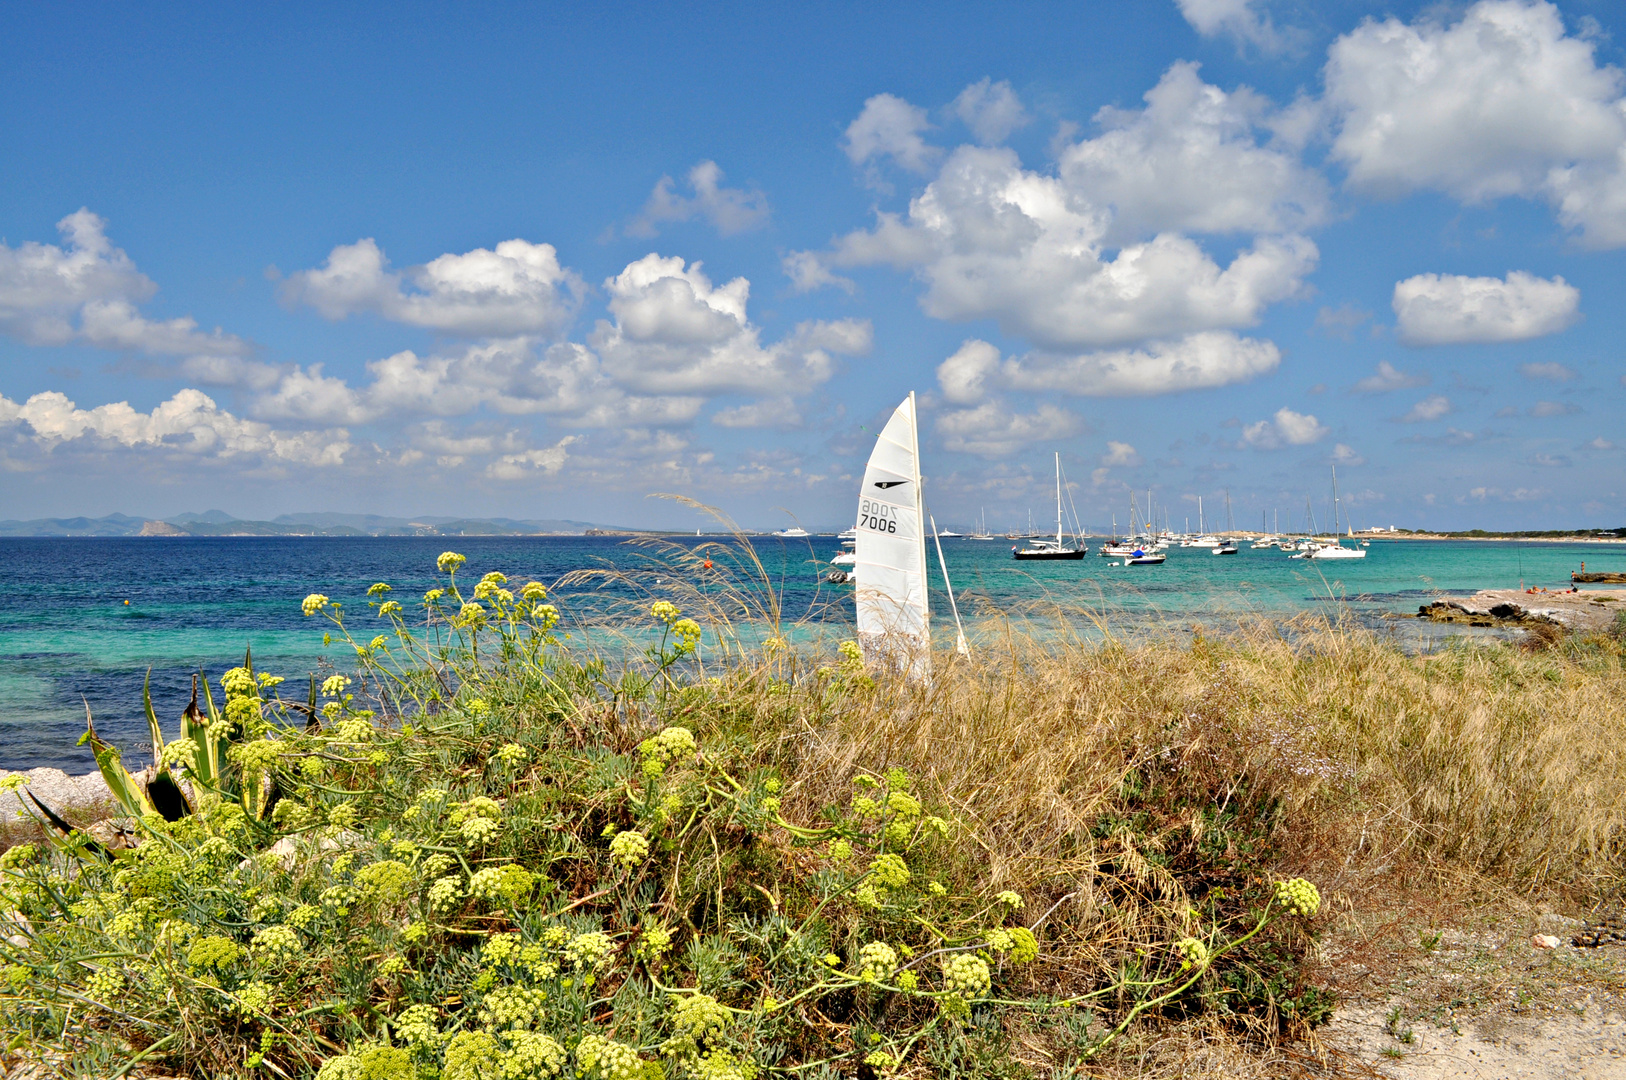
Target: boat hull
[1048,556]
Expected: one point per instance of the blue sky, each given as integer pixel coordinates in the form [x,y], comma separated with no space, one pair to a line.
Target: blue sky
[511,261]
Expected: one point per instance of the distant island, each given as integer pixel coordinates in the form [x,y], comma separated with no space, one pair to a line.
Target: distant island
[220,523]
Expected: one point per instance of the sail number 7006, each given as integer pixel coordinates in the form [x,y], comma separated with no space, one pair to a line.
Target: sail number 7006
[878,516]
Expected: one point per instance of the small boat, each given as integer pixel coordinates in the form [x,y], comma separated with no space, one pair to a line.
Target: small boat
[1046,548]
[795,532]
[950,534]
[1227,547]
[1142,557]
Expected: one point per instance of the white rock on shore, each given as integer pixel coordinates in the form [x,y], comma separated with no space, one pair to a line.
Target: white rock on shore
[55,789]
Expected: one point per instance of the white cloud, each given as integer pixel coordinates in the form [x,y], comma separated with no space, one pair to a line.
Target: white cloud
[1547,409]
[88,290]
[1190,161]
[1551,371]
[991,110]
[519,288]
[1344,454]
[1430,408]
[1195,362]
[1500,102]
[1245,21]
[1119,455]
[1600,443]
[992,430]
[548,461]
[993,240]
[808,272]
[189,423]
[1200,361]
[889,126]
[1443,309]
[729,210]
[773,412]
[675,332]
[1389,378]
[1286,428]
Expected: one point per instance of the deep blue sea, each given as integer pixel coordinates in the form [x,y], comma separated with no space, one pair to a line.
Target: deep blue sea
[68,638]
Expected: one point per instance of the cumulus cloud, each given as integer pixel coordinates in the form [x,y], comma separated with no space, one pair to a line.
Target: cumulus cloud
[188,423]
[1551,371]
[808,272]
[1430,408]
[87,290]
[1446,309]
[1387,378]
[675,340]
[1500,102]
[519,288]
[1244,21]
[547,460]
[675,332]
[991,110]
[1195,362]
[1191,161]
[772,412]
[889,126]
[993,429]
[729,210]
[993,240]
[1119,455]
[1286,428]
[1344,454]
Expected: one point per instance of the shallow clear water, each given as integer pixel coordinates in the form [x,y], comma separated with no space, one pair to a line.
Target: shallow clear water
[67,637]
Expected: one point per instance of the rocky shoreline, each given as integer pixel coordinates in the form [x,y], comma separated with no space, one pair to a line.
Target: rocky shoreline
[55,789]
[1593,611]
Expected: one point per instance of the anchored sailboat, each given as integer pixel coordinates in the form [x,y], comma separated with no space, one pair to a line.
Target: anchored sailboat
[1051,549]
[1336,550]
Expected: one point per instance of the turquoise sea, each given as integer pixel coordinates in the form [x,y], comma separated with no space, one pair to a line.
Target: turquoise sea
[68,638]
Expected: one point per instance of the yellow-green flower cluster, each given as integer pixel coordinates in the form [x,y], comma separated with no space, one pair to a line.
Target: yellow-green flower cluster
[387,880]
[180,752]
[1298,897]
[449,562]
[877,961]
[512,1007]
[275,945]
[334,685]
[629,848]
[664,610]
[533,591]
[654,942]
[966,975]
[531,1054]
[105,985]
[313,603]
[890,870]
[670,745]
[698,1018]
[237,682]
[511,754]
[416,1025]
[510,883]
[389,608]
[687,632]
[446,892]
[591,950]
[477,820]
[610,1060]
[1192,951]
[471,1055]
[212,951]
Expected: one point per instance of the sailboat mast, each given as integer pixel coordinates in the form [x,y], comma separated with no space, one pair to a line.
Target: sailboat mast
[1058,498]
[1335,504]
[1200,515]
[920,510]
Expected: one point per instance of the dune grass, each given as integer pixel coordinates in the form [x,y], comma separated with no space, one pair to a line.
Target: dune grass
[709,853]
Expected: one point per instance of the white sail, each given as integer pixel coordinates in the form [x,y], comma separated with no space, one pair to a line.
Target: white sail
[890,563]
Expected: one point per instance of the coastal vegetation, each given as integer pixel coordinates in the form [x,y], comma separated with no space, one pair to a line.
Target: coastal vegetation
[708,847]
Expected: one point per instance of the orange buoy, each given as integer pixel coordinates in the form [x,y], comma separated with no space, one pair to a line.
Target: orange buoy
[706,565]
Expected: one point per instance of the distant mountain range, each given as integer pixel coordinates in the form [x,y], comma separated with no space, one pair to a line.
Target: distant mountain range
[220,523]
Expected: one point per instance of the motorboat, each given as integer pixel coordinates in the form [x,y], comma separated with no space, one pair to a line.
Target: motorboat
[795,532]
[1227,547]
